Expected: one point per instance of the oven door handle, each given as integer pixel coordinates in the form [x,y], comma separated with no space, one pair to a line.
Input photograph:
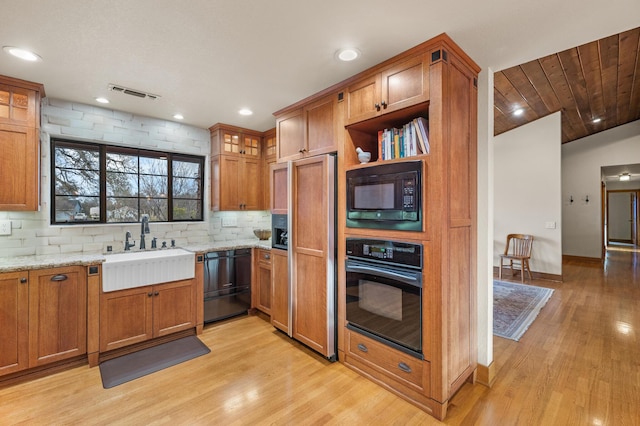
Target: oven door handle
[411,279]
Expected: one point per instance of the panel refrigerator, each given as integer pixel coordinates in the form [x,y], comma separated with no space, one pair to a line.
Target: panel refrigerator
[312,253]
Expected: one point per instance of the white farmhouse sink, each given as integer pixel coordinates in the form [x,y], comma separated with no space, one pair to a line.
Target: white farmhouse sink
[136,269]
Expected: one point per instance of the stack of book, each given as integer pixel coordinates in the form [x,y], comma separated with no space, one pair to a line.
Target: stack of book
[407,141]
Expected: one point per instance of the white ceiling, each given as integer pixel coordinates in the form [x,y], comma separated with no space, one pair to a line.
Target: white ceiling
[209,58]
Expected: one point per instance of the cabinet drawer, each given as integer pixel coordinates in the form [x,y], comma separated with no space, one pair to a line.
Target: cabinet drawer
[393,363]
[264,256]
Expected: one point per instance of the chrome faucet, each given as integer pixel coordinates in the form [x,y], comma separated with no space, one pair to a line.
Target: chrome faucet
[144,229]
[127,244]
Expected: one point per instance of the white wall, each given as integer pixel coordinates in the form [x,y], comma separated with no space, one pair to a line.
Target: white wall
[527,185]
[32,233]
[581,176]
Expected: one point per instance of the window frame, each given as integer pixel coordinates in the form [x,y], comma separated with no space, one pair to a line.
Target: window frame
[103,150]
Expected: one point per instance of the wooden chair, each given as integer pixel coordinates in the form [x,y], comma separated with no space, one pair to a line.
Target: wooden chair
[518,250]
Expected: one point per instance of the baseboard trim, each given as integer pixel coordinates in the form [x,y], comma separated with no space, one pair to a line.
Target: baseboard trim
[568,257]
[535,275]
[486,375]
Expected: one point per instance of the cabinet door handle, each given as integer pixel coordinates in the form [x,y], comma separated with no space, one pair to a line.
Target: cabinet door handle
[377,105]
[149,294]
[266,256]
[384,104]
[363,347]
[23,280]
[59,277]
[404,367]
[156,293]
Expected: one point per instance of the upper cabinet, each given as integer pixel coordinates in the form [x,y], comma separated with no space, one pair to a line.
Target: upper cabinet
[19,144]
[236,168]
[235,141]
[309,130]
[268,158]
[398,86]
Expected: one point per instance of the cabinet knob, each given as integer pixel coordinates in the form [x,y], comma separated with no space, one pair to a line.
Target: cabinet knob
[377,105]
[156,293]
[266,256]
[149,294]
[384,104]
[23,280]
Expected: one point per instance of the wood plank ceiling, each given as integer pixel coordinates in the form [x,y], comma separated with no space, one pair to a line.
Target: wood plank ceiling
[598,80]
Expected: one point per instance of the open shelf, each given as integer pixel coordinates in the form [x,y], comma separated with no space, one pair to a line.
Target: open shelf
[364,134]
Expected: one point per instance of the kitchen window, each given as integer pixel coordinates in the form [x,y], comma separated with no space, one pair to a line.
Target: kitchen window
[108,184]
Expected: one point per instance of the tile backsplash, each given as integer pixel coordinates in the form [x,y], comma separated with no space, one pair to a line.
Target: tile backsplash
[31,233]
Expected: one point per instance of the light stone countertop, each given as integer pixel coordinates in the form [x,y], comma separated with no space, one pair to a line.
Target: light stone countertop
[21,263]
[229,245]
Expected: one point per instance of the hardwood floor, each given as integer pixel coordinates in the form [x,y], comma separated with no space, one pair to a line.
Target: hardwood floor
[579,363]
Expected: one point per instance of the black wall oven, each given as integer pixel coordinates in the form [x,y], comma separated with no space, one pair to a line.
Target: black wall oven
[384,292]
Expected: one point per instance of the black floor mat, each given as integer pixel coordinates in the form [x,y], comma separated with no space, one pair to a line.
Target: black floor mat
[125,368]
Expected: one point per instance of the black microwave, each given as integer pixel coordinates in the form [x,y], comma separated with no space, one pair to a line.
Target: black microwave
[385,196]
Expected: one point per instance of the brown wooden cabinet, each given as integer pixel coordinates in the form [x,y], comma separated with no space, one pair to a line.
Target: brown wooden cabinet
[290,135]
[280,289]
[311,250]
[440,84]
[57,314]
[279,188]
[44,317]
[261,288]
[396,86]
[139,314]
[236,168]
[19,144]
[14,320]
[269,157]
[308,131]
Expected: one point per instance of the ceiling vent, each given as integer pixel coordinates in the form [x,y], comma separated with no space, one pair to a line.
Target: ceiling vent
[133,92]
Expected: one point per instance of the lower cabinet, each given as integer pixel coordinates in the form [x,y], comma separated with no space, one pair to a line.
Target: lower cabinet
[261,290]
[142,313]
[395,370]
[43,317]
[280,289]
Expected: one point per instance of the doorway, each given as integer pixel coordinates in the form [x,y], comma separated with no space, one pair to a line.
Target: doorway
[621,207]
[622,218]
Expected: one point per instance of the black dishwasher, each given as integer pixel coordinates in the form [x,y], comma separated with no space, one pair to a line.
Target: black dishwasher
[227,284]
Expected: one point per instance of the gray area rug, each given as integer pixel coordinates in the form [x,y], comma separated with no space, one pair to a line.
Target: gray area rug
[128,367]
[515,306]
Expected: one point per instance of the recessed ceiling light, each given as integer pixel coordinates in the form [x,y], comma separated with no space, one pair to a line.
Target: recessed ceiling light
[245,111]
[348,54]
[518,112]
[596,120]
[22,53]
[102,100]
[178,116]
